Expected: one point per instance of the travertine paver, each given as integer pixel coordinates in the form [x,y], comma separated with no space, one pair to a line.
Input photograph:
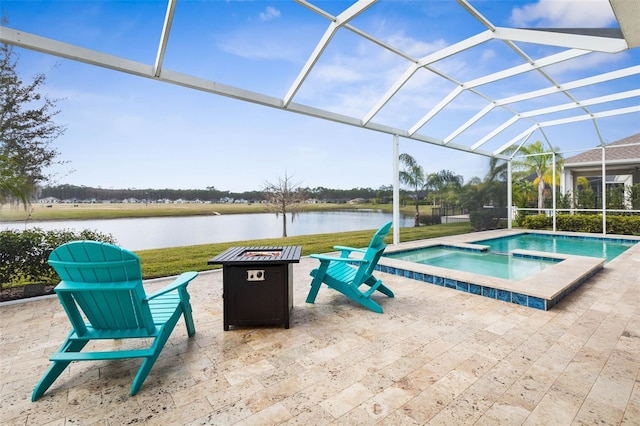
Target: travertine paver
[436,356]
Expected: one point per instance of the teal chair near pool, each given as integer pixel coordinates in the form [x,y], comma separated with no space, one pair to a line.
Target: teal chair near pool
[102,284]
[339,274]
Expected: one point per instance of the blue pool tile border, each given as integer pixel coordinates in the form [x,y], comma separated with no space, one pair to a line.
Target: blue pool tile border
[503,295]
[534,257]
[462,286]
[471,249]
[487,291]
[519,298]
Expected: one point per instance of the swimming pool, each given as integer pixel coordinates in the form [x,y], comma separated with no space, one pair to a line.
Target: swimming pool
[607,248]
[541,289]
[476,261]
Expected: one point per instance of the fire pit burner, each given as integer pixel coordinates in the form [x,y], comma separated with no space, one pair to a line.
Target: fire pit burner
[265,253]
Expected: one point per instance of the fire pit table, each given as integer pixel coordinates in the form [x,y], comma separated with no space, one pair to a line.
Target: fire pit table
[257,284]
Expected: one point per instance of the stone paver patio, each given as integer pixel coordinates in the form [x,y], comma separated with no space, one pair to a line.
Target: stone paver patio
[436,356]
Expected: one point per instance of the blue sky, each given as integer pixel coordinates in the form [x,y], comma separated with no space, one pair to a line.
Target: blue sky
[129,132]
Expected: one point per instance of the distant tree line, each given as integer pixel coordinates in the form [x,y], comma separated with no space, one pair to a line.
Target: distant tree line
[85,193]
[210,194]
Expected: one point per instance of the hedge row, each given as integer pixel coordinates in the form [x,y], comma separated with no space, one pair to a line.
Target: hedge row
[24,254]
[622,225]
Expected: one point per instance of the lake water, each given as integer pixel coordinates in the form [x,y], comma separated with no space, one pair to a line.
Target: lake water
[150,233]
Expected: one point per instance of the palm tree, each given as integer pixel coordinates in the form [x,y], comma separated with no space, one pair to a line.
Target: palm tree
[472,194]
[491,190]
[523,192]
[536,159]
[495,182]
[413,176]
[443,180]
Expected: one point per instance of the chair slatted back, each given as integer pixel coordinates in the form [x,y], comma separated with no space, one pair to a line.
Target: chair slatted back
[373,253]
[104,282]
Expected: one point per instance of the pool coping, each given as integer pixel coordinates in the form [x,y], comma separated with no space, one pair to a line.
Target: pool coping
[542,290]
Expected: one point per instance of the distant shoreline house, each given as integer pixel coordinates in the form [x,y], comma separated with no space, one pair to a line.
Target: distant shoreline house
[49,200]
[622,164]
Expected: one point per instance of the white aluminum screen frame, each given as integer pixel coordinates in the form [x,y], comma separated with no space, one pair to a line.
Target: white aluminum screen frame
[575,42]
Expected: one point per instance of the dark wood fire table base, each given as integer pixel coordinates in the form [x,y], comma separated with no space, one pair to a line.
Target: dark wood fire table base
[257,284]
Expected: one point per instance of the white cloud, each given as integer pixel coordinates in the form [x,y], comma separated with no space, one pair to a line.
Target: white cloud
[588,62]
[371,66]
[269,14]
[338,73]
[416,48]
[258,49]
[564,14]
[254,43]
[488,55]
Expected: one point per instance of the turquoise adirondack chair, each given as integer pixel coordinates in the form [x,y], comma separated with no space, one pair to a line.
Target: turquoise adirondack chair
[337,272]
[103,284]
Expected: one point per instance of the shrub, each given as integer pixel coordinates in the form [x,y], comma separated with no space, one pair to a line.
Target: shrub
[623,225]
[579,223]
[24,254]
[538,221]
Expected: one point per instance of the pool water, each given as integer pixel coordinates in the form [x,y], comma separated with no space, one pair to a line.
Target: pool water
[477,262]
[580,246]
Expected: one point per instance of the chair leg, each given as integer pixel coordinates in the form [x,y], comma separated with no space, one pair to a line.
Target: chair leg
[315,287]
[385,290]
[317,274]
[186,310]
[188,320]
[143,372]
[370,304]
[156,348]
[381,288]
[56,368]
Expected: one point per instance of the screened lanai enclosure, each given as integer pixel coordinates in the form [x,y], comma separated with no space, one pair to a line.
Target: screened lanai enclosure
[465,75]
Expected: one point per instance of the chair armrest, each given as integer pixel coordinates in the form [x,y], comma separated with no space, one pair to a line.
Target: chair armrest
[349,249]
[322,257]
[182,280]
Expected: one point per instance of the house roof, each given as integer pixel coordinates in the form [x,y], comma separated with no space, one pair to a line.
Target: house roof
[627,149]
